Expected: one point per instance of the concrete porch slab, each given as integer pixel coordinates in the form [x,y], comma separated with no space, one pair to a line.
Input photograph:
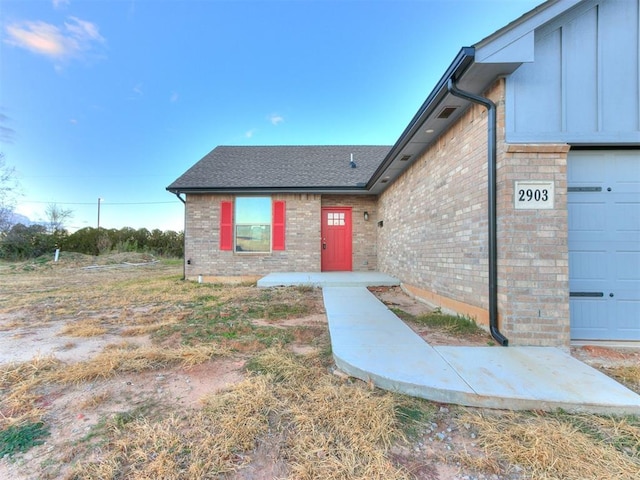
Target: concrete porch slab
[328,279]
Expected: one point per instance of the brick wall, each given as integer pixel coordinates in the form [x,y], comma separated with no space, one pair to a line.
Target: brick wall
[302,252]
[435,237]
[202,240]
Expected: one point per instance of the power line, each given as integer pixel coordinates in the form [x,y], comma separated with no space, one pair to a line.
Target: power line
[93,203]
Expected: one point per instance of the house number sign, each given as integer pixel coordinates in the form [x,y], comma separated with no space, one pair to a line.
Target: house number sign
[533,194]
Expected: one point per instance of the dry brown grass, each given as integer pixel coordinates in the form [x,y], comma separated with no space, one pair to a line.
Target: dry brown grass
[628,375]
[83,328]
[125,358]
[342,431]
[558,447]
[19,399]
[61,292]
[21,384]
[141,330]
[324,429]
[477,463]
[94,401]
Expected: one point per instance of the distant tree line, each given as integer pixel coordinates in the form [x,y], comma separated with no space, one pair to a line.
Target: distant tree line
[19,241]
[22,242]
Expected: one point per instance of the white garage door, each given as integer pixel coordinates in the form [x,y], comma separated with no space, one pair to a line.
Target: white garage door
[604,244]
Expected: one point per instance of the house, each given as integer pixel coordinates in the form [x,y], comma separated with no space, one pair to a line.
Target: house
[512,196]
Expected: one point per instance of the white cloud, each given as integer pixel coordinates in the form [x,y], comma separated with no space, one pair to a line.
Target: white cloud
[75,39]
[137,89]
[174,97]
[250,133]
[83,31]
[60,3]
[276,119]
[39,37]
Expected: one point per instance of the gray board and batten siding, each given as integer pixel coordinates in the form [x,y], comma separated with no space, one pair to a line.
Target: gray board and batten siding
[581,87]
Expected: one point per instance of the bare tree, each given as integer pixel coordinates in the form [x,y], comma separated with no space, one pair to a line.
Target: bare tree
[8,193]
[56,218]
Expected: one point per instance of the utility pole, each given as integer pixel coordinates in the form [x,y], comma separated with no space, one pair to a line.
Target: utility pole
[99,201]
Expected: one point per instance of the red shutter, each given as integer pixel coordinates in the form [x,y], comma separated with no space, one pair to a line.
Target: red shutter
[226,225]
[278,224]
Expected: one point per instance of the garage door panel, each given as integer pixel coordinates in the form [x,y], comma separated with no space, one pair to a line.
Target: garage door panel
[587,217]
[627,315]
[589,265]
[627,267]
[625,217]
[626,310]
[592,318]
[627,161]
[604,244]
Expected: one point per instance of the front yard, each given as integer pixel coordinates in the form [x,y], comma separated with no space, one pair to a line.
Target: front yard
[123,370]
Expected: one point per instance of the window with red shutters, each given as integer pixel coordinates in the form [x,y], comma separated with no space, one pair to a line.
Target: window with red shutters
[226,225]
[278,228]
[278,219]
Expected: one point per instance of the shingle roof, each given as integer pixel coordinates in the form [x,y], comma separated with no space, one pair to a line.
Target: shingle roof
[282,167]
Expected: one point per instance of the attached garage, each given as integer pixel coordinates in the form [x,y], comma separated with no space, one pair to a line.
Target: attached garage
[604,244]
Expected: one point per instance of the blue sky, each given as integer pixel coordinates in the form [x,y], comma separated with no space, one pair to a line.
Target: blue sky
[116,99]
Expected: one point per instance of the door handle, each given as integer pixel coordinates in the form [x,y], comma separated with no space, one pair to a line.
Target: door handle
[324,246]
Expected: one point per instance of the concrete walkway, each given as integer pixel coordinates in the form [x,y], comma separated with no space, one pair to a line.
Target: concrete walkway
[371,343]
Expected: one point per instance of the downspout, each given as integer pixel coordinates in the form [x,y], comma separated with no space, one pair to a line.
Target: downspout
[184,236]
[177,194]
[491,178]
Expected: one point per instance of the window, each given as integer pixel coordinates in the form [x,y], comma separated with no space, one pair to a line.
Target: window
[253,224]
[336,219]
[258,226]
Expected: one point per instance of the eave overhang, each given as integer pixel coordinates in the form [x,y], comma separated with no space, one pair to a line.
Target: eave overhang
[437,114]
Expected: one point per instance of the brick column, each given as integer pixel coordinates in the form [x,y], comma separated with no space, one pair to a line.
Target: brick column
[533,265]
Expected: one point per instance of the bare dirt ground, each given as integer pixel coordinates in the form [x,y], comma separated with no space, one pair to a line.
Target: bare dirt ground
[41,302]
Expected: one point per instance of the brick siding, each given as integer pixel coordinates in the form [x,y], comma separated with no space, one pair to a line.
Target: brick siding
[302,238]
[202,239]
[435,237]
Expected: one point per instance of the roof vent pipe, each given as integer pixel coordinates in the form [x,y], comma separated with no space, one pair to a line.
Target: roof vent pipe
[352,164]
[491,180]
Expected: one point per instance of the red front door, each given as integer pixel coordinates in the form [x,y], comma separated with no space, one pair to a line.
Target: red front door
[336,239]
